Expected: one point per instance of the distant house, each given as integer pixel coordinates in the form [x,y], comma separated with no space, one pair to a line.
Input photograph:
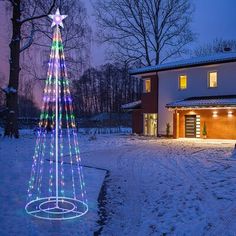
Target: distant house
[188,94]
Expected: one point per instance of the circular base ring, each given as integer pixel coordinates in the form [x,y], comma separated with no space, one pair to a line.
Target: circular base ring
[52,208]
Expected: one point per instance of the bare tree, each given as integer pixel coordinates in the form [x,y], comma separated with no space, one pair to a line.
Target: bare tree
[29,25]
[76,35]
[105,89]
[216,46]
[76,40]
[20,17]
[2,100]
[150,31]
[27,107]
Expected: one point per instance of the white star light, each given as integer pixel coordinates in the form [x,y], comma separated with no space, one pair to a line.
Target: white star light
[57,18]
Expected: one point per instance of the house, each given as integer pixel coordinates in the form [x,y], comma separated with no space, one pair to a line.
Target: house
[191,95]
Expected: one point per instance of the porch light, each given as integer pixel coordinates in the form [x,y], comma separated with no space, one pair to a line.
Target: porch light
[192,113]
[230,113]
[215,114]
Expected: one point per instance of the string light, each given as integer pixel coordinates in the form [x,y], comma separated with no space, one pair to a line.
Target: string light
[51,195]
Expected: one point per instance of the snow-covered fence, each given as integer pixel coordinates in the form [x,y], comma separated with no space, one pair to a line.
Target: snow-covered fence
[105,130]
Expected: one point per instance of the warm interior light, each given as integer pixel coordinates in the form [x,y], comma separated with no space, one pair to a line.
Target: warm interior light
[230,113]
[192,113]
[215,113]
[213,79]
[183,82]
[147,85]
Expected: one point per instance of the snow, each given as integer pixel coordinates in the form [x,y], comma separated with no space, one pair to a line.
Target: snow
[105,116]
[234,153]
[105,130]
[201,60]
[159,186]
[202,102]
[15,162]
[131,105]
[155,187]
[8,90]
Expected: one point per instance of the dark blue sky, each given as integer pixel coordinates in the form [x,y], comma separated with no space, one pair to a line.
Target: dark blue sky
[211,19]
[214,18]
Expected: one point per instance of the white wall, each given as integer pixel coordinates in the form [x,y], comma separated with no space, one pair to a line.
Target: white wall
[197,86]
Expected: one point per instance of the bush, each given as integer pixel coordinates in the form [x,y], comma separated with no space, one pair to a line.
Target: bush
[168,129]
[204,130]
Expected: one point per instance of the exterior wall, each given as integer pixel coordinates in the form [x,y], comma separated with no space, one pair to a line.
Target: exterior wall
[149,100]
[175,125]
[197,86]
[221,127]
[137,121]
[149,105]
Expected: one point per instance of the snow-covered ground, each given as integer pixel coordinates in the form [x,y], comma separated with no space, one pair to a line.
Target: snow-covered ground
[15,168]
[155,187]
[161,186]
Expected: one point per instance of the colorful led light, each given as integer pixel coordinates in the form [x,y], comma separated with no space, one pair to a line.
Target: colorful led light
[49,183]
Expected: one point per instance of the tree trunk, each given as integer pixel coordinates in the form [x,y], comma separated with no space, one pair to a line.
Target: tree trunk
[11,126]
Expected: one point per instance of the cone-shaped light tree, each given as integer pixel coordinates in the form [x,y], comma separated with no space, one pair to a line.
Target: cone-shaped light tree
[56,187]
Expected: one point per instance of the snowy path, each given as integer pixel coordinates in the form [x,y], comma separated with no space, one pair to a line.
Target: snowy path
[155,187]
[168,187]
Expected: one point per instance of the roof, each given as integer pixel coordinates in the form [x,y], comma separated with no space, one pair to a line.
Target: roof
[192,62]
[132,105]
[199,102]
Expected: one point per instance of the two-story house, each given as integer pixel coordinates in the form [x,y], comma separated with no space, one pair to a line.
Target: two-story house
[191,95]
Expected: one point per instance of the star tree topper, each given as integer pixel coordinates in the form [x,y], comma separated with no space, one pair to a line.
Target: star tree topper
[57,18]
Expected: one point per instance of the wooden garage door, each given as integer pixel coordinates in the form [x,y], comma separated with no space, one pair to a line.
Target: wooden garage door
[190,126]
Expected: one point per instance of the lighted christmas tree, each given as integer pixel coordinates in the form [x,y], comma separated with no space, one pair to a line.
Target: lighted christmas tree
[56,187]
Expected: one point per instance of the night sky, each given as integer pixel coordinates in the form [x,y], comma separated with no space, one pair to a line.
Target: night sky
[214,18]
[211,19]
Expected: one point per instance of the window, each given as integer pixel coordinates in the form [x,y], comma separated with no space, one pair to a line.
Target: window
[147,86]
[212,79]
[183,82]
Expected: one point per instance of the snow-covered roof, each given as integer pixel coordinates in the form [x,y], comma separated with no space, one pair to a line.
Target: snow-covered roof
[132,105]
[195,61]
[213,101]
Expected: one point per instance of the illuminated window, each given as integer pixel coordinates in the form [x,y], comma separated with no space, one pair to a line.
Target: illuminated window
[147,86]
[212,79]
[183,82]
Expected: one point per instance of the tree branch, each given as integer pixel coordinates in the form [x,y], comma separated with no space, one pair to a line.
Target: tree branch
[39,16]
[149,27]
[30,39]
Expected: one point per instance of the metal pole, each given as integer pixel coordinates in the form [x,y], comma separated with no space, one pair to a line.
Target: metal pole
[56,77]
